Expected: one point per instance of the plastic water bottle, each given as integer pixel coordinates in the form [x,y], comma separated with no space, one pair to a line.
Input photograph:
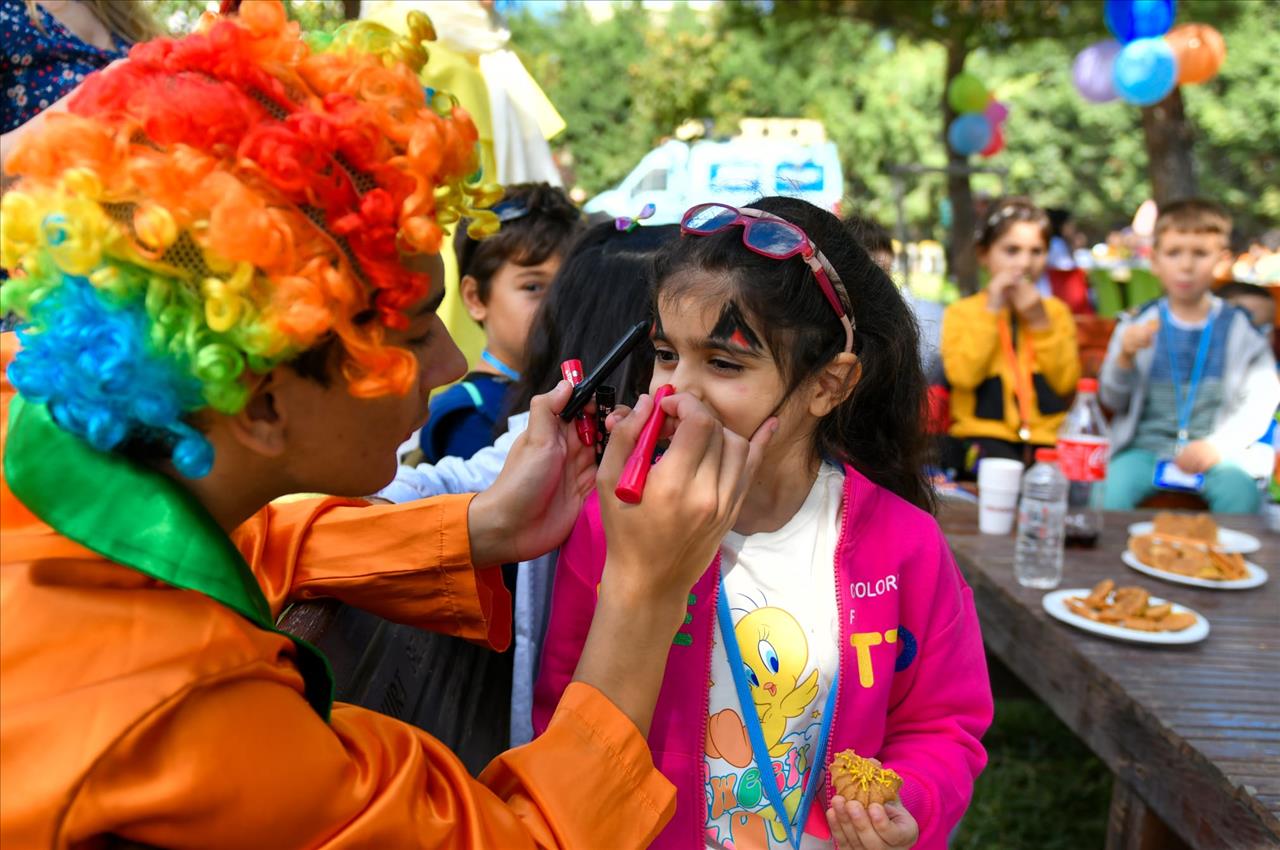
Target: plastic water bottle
[1084,442]
[1037,560]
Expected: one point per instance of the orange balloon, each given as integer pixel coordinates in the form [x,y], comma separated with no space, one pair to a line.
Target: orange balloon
[1200,50]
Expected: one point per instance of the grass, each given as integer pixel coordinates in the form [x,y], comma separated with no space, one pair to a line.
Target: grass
[1042,788]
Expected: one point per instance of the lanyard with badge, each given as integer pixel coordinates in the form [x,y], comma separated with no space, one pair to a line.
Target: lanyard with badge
[1168,475]
[751,719]
[1022,391]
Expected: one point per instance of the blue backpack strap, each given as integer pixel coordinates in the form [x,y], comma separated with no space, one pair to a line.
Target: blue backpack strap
[485,397]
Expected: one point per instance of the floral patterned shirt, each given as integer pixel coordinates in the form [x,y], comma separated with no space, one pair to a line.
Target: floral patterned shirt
[38,68]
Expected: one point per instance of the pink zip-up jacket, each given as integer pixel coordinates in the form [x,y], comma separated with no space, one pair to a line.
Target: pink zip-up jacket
[913,689]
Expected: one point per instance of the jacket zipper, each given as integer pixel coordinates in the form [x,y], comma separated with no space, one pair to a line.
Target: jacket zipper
[703,774]
[829,756]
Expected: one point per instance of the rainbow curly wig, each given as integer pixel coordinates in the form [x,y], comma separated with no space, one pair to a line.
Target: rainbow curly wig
[218,204]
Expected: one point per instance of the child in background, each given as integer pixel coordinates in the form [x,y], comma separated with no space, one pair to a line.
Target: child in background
[1189,377]
[1256,300]
[756,311]
[876,241]
[1260,458]
[502,281]
[1009,353]
[579,319]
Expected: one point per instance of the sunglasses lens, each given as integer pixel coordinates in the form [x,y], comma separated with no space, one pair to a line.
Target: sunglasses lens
[774,238]
[710,218]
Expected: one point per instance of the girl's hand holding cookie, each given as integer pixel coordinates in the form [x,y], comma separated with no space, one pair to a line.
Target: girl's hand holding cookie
[874,827]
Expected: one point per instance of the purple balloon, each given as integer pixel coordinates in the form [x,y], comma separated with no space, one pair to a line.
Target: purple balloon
[1094,71]
[996,112]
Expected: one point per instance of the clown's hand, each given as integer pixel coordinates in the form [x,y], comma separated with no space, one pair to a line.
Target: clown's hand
[531,507]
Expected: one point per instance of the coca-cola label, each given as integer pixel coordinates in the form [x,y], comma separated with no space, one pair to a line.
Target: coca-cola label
[1083,458]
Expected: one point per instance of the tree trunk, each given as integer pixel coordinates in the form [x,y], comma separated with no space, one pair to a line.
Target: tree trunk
[351,9]
[1168,136]
[963,262]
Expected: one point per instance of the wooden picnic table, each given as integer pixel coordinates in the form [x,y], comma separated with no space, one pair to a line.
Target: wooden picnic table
[1192,733]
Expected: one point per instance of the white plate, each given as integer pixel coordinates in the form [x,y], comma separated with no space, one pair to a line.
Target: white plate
[1228,540]
[1257,575]
[1055,606]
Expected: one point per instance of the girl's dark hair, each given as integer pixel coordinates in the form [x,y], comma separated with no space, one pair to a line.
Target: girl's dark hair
[602,289]
[538,221]
[1005,213]
[879,429]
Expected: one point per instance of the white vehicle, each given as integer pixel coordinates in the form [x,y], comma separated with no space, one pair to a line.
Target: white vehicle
[763,161]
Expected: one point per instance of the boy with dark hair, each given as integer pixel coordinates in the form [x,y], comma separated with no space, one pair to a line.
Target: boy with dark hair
[1190,379]
[874,238]
[502,281]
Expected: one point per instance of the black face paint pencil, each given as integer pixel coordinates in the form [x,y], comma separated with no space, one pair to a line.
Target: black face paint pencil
[606,400]
[583,392]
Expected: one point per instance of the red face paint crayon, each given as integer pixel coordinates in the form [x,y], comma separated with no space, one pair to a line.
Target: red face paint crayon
[631,485]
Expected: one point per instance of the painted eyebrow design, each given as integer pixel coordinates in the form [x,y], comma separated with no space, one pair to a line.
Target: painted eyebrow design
[734,329]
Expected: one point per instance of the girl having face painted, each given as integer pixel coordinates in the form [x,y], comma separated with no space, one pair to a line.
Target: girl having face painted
[833,617]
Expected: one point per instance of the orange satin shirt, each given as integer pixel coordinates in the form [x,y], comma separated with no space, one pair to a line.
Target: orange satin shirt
[131,708]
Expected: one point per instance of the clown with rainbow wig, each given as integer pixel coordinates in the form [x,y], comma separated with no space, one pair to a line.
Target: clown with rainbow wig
[223,269]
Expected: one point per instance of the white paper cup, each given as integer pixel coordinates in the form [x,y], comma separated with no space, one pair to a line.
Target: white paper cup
[999,482]
[997,509]
[999,474]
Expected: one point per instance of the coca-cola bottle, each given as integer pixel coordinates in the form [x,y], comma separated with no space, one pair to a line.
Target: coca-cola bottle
[1083,445]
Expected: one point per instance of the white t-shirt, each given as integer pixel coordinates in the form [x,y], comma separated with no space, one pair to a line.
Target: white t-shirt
[781,591]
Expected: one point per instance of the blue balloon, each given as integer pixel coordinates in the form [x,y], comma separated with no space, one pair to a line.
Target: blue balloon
[1130,20]
[969,134]
[1145,71]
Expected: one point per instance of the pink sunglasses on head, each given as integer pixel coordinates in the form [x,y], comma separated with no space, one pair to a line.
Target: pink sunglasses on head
[778,239]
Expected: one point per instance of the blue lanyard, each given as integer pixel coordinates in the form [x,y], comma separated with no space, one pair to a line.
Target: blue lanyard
[499,365]
[1183,407]
[751,719]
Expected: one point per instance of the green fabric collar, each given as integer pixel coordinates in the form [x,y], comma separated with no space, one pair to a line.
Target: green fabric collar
[140,519]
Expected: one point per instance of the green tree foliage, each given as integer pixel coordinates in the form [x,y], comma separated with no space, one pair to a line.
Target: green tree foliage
[180,16]
[875,79]
[1236,117]
[586,68]
[626,82]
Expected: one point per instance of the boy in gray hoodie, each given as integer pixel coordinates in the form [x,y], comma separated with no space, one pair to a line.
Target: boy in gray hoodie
[1190,379]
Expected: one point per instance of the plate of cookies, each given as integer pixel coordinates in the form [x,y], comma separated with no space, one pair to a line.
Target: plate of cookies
[1198,527]
[1126,613]
[1191,562]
